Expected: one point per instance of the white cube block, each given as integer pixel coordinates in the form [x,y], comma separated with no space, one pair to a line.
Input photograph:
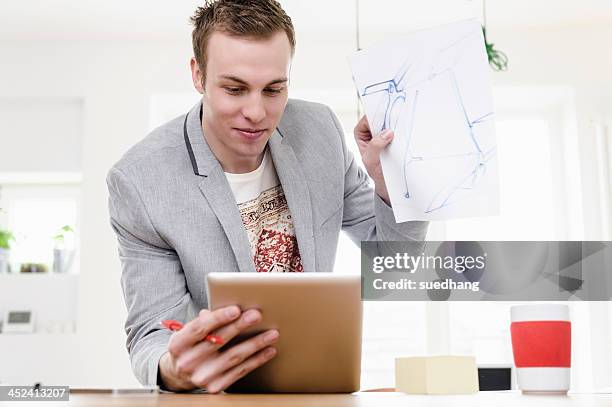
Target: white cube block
[436,375]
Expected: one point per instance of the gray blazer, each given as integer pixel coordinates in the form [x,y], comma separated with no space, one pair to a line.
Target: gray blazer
[176,218]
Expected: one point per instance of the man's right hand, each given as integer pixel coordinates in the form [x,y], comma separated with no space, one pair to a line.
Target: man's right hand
[192,362]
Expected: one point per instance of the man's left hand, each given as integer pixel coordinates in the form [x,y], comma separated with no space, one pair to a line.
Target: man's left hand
[370,148]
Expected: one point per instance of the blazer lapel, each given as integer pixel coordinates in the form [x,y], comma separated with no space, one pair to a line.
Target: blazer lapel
[298,197]
[218,193]
[216,189]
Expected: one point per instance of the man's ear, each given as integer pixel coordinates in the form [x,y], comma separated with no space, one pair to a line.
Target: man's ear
[196,75]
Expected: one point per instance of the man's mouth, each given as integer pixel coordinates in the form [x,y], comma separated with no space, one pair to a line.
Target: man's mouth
[250,134]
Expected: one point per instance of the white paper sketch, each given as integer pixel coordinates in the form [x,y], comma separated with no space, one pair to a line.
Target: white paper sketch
[433,90]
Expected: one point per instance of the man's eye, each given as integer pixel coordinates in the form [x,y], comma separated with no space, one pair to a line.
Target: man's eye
[273,91]
[233,90]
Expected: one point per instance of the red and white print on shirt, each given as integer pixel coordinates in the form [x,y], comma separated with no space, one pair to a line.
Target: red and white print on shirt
[269,225]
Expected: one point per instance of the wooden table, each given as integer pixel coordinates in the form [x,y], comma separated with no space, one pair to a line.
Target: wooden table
[484,399]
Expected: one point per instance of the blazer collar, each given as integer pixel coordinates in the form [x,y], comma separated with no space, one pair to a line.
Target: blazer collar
[203,161]
[216,190]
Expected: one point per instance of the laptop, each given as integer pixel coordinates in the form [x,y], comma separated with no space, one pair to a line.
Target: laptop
[318,316]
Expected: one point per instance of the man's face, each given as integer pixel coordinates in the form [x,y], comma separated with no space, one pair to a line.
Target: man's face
[244,95]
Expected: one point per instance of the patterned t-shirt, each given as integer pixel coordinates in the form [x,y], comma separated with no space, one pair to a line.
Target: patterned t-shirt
[266,218]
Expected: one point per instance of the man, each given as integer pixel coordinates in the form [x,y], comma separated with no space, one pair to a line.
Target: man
[246,181]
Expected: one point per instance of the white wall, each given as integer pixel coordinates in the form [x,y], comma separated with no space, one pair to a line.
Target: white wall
[45,135]
[114,81]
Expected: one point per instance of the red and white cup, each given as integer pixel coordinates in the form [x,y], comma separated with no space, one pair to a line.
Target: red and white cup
[542,347]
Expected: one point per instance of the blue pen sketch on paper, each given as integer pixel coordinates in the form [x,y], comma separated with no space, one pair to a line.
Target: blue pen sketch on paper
[437,101]
[395,97]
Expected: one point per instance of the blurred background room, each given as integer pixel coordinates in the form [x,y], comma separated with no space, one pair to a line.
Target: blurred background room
[81,82]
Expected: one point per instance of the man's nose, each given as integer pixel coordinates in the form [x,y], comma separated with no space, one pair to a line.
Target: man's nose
[254,110]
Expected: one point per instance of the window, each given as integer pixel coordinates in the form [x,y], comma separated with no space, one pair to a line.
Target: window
[487,336]
[526,192]
[36,214]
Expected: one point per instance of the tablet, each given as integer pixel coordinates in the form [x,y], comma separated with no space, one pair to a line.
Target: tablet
[318,316]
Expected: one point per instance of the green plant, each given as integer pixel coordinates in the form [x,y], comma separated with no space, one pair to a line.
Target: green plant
[6,236]
[61,234]
[497,59]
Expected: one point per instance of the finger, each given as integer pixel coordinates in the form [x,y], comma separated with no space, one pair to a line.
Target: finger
[233,357]
[238,353]
[231,376]
[228,332]
[189,360]
[378,144]
[197,329]
[362,129]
